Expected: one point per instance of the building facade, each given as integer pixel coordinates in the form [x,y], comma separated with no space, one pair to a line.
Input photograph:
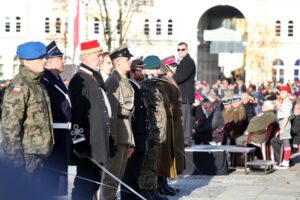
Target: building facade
[257,40]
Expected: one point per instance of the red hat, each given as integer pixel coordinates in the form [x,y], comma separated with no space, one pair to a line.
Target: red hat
[285,88]
[89,47]
[170,61]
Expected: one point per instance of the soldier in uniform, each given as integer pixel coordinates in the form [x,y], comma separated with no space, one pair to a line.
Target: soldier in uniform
[140,132]
[121,96]
[26,117]
[259,123]
[167,167]
[157,129]
[175,98]
[90,121]
[57,182]
[240,118]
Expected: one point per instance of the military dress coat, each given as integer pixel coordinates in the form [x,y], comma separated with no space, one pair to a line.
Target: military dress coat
[61,112]
[167,167]
[26,121]
[260,123]
[90,117]
[175,98]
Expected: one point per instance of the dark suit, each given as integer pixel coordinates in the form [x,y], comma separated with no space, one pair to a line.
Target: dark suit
[184,77]
[57,182]
[204,131]
[90,129]
[139,129]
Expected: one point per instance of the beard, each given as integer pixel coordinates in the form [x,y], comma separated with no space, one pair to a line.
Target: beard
[138,76]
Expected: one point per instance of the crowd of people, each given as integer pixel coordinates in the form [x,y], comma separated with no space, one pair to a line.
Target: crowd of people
[229,112]
[129,118]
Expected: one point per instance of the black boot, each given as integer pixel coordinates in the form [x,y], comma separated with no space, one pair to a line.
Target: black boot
[156,196]
[164,188]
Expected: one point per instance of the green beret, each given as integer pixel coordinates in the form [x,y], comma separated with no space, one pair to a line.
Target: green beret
[152,62]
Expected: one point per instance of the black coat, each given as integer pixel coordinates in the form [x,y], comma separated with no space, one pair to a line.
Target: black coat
[139,124]
[61,153]
[89,114]
[184,76]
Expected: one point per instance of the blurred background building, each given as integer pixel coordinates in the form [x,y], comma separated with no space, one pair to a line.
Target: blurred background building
[256,40]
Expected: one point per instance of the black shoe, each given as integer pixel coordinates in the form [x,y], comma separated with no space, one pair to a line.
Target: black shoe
[166,191]
[156,196]
[172,189]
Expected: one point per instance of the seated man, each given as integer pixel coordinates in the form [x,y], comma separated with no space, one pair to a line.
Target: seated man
[258,125]
[295,122]
[212,122]
[240,118]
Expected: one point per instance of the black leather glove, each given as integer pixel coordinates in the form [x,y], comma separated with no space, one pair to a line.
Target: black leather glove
[112,146]
[82,148]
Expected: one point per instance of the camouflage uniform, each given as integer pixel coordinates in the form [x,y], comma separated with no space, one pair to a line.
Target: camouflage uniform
[157,135]
[26,122]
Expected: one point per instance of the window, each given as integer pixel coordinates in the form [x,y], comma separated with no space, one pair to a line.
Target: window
[47,25]
[15,66]
[278,28]
[170,27]
[119,26]
[158,27]
[278,70]
[290,28]
[96,25]
[1,67]
[297,70]
[146,27]
[106,30]
[7,24]
[18,24]
[58,25]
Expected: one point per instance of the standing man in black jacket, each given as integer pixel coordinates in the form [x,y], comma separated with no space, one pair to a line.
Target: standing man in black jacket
[90,121]
[184,76]
[57,182]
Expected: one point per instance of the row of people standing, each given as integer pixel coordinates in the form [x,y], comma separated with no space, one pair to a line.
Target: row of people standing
[94,119]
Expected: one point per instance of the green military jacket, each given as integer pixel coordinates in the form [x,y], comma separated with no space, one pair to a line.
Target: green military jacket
[156,112]
[26,118]
[260,123]
[121,98]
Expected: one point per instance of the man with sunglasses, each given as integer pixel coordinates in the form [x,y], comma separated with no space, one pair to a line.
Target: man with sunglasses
[184,76]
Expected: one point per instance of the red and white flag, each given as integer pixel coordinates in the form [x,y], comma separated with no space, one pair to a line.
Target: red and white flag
[76,26]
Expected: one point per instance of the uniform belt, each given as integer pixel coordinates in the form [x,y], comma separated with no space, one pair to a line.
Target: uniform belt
[66,125]
[123,117]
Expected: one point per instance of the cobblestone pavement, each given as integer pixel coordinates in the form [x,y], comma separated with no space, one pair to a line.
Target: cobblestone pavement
[278,185]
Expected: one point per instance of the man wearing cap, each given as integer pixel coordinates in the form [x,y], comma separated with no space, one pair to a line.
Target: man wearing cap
[240,119]
[139,129]
[184,76]
[157,120]
[90,121]
[121,97]
[26,117]
[57,182]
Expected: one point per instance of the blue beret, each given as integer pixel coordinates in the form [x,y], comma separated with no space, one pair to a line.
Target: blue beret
[53,50]
[152,62]
[31,50]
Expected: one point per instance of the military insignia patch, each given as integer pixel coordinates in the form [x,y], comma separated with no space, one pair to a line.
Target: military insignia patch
[16,90]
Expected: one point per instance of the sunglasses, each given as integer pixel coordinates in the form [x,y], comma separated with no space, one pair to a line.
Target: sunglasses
[181,49]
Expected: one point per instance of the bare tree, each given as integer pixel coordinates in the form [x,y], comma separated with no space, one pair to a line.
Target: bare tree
[262,47]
